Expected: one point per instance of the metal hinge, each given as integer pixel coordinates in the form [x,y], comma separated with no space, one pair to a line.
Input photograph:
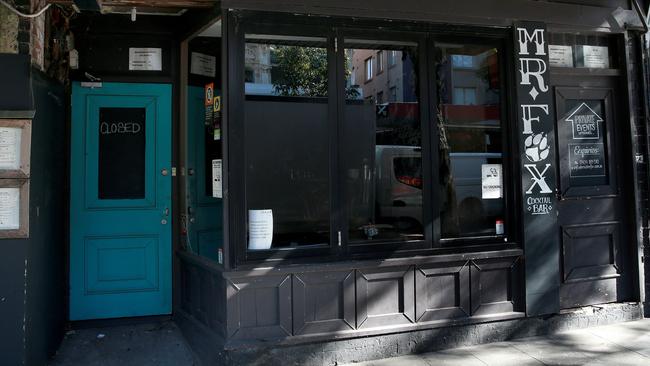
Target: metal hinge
[336,47]
[339,236]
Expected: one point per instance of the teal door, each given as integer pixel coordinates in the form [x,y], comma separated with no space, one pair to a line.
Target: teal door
[204,212]
[120,201]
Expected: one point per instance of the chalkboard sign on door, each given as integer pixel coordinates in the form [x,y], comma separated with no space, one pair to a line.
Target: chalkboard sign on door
[585,133]
[122,153]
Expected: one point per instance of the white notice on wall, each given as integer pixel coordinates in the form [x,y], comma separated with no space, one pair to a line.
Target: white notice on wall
[217,185]
[10,148]
[560,56]
[202,64]
[491,181]
[9,208]
[260,229]
[595,57]
[145,59]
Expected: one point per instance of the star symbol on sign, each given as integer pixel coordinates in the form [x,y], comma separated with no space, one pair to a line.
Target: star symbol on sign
[533,93]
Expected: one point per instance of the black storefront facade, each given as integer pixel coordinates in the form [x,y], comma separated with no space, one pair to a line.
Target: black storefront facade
[371,180]
[566,214]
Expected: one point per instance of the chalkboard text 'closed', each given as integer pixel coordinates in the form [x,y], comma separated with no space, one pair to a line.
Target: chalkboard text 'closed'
[122,142]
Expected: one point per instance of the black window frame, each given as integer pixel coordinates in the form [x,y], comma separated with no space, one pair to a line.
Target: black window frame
[336,30]
[510,168]
[384,248]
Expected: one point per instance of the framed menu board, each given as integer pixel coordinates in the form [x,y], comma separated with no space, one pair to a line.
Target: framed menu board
[15,146]
[14,208]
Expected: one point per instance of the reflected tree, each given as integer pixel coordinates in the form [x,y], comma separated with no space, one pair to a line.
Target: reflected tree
[302,71]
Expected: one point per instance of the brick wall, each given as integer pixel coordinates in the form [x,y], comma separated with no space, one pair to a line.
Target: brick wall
[37,35]
[8,31]
[23,35]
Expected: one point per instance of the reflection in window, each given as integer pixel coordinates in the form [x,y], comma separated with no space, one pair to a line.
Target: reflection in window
[392,58]
[380,62]
[469,124]
[287,145]
[368,64]
[286,66]
[382,145]
[464,96]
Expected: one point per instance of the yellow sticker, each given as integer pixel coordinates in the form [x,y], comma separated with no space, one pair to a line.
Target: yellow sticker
[217,103]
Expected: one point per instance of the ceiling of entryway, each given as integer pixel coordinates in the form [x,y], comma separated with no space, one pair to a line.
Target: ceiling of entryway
[161,7]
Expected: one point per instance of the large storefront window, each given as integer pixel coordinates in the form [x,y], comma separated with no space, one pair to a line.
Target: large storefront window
[470,149]
[382,142]
[287,145]
[348,153]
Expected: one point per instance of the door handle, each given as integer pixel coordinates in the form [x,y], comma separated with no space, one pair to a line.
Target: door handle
[166,211]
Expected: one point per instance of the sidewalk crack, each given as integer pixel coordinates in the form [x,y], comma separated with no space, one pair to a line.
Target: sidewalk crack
[514,345]
[616,343]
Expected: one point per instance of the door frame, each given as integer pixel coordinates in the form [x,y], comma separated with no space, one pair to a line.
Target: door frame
[139,89]
[621,107]
[172,80]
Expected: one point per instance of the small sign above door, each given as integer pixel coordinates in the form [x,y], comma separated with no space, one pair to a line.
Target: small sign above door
[202,64]
[596,57]
[560,56]
[145,59]
[585,122]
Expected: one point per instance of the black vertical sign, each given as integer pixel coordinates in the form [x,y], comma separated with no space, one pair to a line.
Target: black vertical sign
[538,167]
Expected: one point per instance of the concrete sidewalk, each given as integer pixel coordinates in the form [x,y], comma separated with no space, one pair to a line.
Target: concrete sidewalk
[619,344]
[161,343]
[149,344]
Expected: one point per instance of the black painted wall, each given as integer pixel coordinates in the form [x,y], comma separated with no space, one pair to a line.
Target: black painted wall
[46,250]
[32,277]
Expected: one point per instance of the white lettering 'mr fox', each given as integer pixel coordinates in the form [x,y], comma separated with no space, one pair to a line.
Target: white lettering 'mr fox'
[538,178]
[525,38]
[533,67]
[527,116]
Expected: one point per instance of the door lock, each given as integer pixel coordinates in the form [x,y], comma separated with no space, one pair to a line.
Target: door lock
[164,172]
[163,221]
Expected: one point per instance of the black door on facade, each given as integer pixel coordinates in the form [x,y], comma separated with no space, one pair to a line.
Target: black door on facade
[594,191]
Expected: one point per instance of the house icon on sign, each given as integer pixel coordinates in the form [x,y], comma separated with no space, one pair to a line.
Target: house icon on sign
[585,123]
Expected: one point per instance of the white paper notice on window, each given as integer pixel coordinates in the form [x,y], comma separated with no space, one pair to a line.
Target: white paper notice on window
[260,229]
[9,208]
[491,181]
[202,64]
[10,148]
[217,182]
[145,59]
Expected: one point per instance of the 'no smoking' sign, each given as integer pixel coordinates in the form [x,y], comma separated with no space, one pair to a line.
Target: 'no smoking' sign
[209,94]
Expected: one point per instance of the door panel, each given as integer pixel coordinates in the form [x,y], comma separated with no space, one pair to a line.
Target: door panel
[592,217]
[120,201]
[204,229]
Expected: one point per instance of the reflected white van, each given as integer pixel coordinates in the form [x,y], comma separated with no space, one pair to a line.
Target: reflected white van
[399,182]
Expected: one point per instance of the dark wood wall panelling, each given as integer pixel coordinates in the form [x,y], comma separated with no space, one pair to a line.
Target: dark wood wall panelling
[202,293]
[279,305]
